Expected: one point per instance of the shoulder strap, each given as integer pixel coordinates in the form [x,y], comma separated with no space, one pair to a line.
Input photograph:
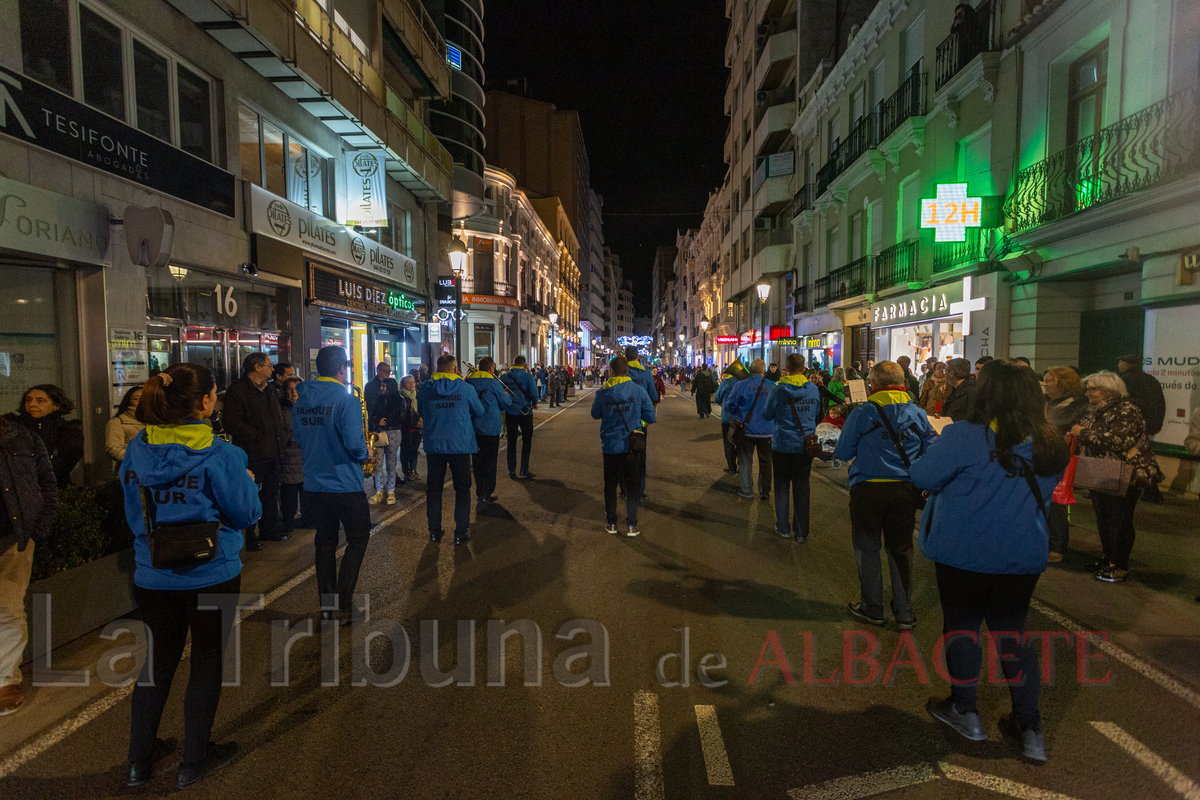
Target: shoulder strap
[1031,479]
[757,394]
[795,416]
[892,435]
[147,504]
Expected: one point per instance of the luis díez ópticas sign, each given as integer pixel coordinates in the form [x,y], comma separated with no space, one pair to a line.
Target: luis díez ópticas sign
[271,215]
[38,115]
[332,287]
[33,220]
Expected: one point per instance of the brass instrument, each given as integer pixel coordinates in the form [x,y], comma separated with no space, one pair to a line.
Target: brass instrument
[368,466]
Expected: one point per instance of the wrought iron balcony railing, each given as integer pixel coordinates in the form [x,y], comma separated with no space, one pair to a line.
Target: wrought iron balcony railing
[907,101]
[1154,146]
[493,288]
[896,265]
[972,37]
[803,200]
[862,137]
[948,255]
[800,295]
[848,281]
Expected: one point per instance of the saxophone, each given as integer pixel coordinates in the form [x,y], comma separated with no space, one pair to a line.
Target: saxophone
[368,467]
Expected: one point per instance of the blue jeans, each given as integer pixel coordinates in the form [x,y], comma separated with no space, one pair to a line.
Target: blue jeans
[385,463]
[746,464]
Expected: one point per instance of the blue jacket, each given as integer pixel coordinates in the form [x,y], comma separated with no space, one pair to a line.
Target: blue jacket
[806,399]
[524,389]
[621,405]
[494,398]
[742,398]
[641,376]
[328,426]
[194,477]
[449,405]
[979,517]
[721,398]
[865,442]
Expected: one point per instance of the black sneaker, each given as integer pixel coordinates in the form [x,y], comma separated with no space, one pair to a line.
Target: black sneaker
[218,756]
[965,723]
[1031,740]
[857,610]
[141,770]
[528,476]
[436,536]
[462,538]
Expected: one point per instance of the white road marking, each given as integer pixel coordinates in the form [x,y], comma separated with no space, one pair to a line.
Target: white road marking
[647,748]
[998,785]
[1181,783]
[716,760]
[867,785]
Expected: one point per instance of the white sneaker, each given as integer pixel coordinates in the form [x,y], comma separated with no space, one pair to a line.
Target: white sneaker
[633,531]
[391,498]
[376,498]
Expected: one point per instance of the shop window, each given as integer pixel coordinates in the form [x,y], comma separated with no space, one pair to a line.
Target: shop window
[103,83]
[282,164]
[37,312]
[45,25]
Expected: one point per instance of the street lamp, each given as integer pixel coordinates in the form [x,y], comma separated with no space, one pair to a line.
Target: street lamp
[458,265]
[764,291]
[553,328]
[704,323]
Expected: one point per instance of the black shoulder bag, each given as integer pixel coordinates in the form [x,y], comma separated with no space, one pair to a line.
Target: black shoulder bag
[636,440]
[920,497]
[737,427]
[812,445]
[177,545]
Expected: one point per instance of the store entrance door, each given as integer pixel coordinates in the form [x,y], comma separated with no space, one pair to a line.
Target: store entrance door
[221,350]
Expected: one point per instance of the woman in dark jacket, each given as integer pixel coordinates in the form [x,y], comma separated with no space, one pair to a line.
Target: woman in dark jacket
[385,417]
[291,466]
[28,501]
[990,477]
[1065,406]
[44,410]
[1114,427]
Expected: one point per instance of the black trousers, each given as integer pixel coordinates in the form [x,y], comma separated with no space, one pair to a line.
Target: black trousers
[1002,601]
[1114,523]
[266,475]
[483,464]
[519,424]
[623,469]
[730,450]
[350,511]
[169,617]
[883,508]
[1059,524]
[791,470]
[460,474]
[291,498]
[410,445]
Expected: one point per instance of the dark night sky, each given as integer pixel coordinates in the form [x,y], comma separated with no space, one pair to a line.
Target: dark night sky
[648,79]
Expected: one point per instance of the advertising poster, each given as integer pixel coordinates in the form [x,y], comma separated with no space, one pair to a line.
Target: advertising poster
[130,361]
[1172,355]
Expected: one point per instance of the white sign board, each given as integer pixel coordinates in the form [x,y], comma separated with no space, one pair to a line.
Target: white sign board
[366,201]
[858,391]
[1173,357]
[34,220]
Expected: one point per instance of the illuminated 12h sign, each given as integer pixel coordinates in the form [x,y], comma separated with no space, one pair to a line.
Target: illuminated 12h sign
[951,213]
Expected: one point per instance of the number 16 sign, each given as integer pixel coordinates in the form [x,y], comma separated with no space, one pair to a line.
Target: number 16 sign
[951,213]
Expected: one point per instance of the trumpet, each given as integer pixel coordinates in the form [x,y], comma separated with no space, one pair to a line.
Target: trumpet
[368,466]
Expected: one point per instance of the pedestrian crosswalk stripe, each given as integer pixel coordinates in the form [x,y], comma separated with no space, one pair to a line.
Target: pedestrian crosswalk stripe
[647,748]
[854,787]
[1181,783]
[999,785]
[716,760]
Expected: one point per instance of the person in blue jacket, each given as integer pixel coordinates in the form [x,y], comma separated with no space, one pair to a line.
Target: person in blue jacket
[495,399]
[193,477]
[449,405]
[793,407]
[518,418]
[882,500]
[643,377]
[621,405]
[721,398]
[327,422]
[990,478]
[543,378]
[747,401]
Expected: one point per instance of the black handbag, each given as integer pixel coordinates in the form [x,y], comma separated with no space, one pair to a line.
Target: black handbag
[812,445]
[737,427]
[920,496]
[178,545]
[636,442]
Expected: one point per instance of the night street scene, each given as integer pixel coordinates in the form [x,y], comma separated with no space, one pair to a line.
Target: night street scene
[630,399]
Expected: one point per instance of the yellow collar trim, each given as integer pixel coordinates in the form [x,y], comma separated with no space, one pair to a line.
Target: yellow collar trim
[448,375]
[890,397]
[794,380]
[481,374]
[194,435]
[615,380]
[636,365]
[330,380]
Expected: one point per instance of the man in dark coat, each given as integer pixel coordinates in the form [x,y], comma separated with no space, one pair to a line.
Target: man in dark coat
[1146,393]
[910,381]
[962,395]
[253,419]
[702,387]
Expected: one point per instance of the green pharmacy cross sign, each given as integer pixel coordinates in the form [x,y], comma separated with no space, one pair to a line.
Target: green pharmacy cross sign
[951,212]
[400,303]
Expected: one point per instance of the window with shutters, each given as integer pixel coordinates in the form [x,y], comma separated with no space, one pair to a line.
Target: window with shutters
[975,162]
[908,213]
[875,215]
[914,47]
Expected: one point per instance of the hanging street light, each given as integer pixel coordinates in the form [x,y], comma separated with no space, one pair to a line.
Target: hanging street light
[764,291]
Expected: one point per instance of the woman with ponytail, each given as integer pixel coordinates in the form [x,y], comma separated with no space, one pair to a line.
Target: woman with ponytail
[990,478]
[192,477]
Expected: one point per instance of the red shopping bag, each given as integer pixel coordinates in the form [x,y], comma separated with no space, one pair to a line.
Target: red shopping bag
[1064,493]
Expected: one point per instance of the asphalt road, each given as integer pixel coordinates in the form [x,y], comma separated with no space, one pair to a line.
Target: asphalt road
[707,562]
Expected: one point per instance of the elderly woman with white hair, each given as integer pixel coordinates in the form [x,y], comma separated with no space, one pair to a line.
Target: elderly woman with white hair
[1114,427]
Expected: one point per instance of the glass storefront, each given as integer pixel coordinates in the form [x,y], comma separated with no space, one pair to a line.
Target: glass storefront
[37,312]
[941,339]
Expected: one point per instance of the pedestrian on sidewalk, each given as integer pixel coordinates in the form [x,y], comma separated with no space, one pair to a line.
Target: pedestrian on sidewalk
[660,386]
[1146,393]
[552,387]
[1065,406]
[451,405]
[747,401]
[621,405]
[543,376]
[382,398]
[495,399]
[702,388]
[1113,428]
[291,467]
[962,389]
[518,418]
[910,382]
[882,439]
[728,381]
[990,478]
[30,500]
[936,390]
[178,472]
[640,375]
[793,407]
[328,424]
[43,411]
[253,419]
[410,428]
[121,429]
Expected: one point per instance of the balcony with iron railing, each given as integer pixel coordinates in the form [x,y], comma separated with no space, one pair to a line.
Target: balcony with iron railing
[897,265]
[862,137]
[951,255]
[489,287]
[800,296]
[1156,145]
[803,200]
[907,102]
[972,36]
[848,281]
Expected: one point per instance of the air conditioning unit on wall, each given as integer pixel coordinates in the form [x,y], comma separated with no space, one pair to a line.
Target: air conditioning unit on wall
[764,223]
